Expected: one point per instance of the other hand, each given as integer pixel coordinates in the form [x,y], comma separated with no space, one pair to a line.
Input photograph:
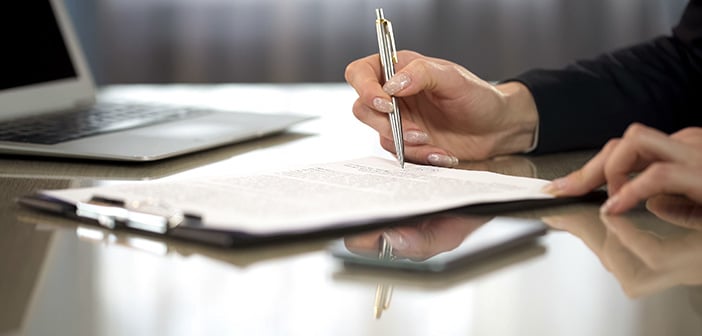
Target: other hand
[642,164]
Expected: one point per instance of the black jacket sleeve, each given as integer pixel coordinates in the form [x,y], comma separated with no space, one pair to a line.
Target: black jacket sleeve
[657,83]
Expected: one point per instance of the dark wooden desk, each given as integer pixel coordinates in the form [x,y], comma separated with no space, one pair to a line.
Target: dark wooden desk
[60,278]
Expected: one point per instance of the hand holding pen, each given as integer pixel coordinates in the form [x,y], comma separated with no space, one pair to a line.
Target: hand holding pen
[447,112]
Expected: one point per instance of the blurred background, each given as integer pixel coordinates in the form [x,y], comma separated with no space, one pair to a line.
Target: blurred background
[206,41]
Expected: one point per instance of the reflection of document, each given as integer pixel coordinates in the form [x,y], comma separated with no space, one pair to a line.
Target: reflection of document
[321,196]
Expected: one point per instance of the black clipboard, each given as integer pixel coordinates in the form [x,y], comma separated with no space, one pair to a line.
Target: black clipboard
[156,220]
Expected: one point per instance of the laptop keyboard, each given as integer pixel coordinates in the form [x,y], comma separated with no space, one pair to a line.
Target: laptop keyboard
[98,119]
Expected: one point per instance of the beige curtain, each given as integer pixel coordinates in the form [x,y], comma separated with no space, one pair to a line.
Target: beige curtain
[313,40]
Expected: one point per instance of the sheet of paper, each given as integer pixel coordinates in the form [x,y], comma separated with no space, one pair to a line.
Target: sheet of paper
[321,196]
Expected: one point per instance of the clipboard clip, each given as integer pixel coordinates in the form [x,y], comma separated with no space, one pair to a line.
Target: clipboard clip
[144,215]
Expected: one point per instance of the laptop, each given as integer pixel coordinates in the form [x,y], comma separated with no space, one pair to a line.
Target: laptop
[48,104]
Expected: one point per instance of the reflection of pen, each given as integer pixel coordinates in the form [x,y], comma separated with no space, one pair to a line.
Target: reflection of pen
[388,58]
[383,292]
[382,299]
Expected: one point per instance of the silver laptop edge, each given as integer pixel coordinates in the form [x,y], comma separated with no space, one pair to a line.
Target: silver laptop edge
[139,144]
[55,95]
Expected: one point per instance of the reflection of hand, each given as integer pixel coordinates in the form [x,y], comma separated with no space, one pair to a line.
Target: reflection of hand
[677,210]
[418,242]
[678,257]
[642,262]
[667,165]
[448,113]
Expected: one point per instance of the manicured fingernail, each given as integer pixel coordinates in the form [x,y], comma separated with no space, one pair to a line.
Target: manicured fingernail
[442,160]
[556,186]
[396,83]
[416,137]
[609,205]
[396,240]
[382,105]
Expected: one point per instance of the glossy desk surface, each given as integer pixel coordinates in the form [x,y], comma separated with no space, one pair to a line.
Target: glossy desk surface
[57,278]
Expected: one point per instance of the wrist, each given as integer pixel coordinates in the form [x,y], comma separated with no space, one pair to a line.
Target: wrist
[520,119]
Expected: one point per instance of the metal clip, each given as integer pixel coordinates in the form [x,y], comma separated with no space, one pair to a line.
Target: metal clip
[144,215]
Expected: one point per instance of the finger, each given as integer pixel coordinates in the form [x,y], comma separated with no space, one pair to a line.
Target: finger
[364,72]
[585,179]
[677,210]
[635,278]
[380,122]
[646,246]
[658,178]
[423,154]
[662,257]
[376,120]
[689,135]
[430,74]
[432,237]
[365,76]
[365,244]
[388,144]
[639,145]
[584,225]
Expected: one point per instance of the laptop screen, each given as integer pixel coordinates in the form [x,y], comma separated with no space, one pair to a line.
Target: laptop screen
[33,50]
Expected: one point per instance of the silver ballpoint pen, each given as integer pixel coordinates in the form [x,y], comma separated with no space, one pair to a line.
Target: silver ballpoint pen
[388,58]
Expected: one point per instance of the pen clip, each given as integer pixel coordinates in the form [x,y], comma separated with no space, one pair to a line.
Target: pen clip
[386,43]
[390,38]
[144,215]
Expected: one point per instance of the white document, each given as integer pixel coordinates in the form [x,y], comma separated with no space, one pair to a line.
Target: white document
[321,196]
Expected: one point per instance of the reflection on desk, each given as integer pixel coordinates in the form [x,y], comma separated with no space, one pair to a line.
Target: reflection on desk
[448,245]
[645,254]
[58,279]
